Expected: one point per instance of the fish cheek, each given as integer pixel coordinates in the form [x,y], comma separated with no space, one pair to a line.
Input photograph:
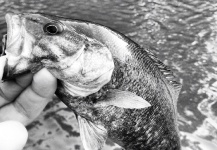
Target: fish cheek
[87,73]
[39,52]
[34,28]
[93,68]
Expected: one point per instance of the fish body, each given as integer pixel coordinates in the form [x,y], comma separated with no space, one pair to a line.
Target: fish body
[117,89]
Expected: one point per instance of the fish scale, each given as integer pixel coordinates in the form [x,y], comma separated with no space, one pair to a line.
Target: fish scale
[128,138]
[129,123]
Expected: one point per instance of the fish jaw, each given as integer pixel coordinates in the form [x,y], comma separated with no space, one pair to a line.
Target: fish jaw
[13,42]
[19,44]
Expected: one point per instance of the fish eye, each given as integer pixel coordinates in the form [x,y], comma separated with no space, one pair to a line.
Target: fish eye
[53,28]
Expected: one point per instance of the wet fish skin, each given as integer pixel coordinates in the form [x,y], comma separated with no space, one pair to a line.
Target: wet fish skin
[126,67]
[134,129]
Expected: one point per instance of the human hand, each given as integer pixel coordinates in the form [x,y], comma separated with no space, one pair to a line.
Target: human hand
[22,100]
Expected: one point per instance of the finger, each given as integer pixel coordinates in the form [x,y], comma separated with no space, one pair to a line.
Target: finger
[11,89]
[32,100]
[44,84]
[13,135]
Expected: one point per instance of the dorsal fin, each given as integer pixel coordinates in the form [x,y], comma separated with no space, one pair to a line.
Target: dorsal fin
[167,73]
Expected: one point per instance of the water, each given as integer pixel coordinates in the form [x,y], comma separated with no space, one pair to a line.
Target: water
[182,33]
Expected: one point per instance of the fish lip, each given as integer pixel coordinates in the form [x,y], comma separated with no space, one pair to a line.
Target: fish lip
[7,76]
[14,26]
[9,72]
[10,48]
[8,19]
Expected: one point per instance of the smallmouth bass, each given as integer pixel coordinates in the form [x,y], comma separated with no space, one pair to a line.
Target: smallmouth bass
[116,89]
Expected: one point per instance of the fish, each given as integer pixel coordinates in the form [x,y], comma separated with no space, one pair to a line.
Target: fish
[116,88]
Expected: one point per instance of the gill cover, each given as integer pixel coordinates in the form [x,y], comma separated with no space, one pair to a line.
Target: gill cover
[89,69]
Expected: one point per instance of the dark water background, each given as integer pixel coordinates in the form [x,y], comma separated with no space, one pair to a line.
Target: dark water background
[182,33]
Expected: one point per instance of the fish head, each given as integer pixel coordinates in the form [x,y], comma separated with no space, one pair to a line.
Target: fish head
[24,34]
[35,41]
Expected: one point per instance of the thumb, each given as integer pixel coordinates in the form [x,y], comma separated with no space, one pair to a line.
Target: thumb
[13,135]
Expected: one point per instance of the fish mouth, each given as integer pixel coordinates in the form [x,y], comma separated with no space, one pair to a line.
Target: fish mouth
[12,45]
[12,40]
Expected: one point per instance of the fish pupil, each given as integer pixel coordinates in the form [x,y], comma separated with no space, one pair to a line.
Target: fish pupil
[52,28]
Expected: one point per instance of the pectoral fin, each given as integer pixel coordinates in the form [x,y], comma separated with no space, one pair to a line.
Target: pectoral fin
[93,136]
[123,99]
